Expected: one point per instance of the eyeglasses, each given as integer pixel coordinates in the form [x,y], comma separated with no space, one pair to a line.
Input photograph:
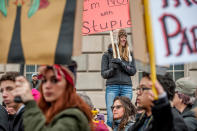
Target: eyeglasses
[142,88]
[117,107]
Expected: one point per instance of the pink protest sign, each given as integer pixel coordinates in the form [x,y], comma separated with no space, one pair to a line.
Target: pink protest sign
[105,15]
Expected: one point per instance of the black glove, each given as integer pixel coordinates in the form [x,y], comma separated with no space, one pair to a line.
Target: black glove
[114,65]
[116,60]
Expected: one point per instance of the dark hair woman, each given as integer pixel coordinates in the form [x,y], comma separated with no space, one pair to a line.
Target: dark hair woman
[123,113]
[59,107]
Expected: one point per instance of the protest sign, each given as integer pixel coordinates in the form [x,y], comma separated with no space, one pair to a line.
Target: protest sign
[105,15]
[39,32]
[174,30]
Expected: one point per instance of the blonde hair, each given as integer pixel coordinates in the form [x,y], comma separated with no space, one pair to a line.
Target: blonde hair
[124,52]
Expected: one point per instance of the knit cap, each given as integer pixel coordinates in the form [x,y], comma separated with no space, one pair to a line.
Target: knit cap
[186,86]
[34,74]
[122,32]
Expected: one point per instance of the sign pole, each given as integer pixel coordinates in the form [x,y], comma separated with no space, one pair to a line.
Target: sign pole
[113,46]
[150,46]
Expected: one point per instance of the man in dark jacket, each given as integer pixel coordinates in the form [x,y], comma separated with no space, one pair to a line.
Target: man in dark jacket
[15,110]
[4,126]
[158,116]
[35,81]
[185,90]
[169,86]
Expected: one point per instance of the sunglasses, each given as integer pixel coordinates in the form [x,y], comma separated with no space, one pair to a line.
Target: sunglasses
[117,107]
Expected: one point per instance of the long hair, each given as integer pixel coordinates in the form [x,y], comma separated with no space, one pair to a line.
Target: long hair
[68,99]
[129,111]
[124,52]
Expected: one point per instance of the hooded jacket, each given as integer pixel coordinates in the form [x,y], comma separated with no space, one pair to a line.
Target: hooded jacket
[71,119]
[189,118]
[121,74]
[179,123]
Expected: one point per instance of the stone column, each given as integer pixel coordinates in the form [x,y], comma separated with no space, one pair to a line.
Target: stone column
[193,71]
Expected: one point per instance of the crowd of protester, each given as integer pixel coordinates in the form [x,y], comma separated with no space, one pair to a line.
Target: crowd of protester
[57,106]
[50,101]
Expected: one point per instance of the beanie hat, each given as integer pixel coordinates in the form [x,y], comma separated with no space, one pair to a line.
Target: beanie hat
[186,86]
[34,74]
[122,32]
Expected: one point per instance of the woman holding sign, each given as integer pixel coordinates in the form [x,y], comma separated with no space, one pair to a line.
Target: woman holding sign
[118,73]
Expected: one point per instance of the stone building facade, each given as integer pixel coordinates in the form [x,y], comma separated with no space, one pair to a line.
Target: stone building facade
[89,78]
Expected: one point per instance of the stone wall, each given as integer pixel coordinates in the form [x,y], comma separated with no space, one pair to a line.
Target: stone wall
[193,71]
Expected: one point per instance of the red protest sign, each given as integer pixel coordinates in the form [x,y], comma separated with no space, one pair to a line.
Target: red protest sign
[105,15]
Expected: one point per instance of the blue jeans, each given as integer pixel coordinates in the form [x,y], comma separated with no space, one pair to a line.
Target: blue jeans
[111,92]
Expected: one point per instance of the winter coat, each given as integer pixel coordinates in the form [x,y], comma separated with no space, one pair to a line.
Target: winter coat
[189,118]
[160,120]
[16,121]
[119,75]
[3,119]
[71,119]
[35,85]
[117,122]
[179,123]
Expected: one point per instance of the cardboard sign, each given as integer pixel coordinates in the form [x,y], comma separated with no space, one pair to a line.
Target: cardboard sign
[174,28]
[105,15]
[42,36]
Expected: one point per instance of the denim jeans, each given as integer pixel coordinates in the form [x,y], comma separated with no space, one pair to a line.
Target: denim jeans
[111,92]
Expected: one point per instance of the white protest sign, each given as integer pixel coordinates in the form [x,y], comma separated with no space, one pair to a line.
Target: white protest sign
[174,28]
